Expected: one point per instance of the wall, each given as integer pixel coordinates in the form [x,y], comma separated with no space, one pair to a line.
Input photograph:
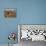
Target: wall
[8,25]
[33,12]
[28,12]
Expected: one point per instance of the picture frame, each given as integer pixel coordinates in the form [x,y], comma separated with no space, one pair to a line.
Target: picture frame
[10,12]
[38,30]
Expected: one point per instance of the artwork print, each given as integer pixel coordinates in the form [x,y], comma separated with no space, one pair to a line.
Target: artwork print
[10,12]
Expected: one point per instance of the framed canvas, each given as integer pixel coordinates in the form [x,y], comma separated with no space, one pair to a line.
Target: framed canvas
[10,12]
[32,32]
